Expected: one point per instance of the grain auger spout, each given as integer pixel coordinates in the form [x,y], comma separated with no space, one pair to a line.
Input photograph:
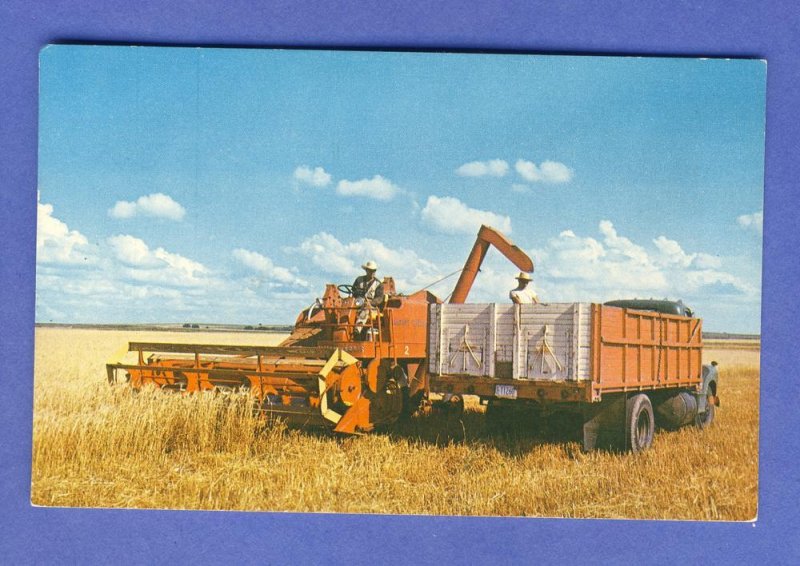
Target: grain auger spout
[487,236]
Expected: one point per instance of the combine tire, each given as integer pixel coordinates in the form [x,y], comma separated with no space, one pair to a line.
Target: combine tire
[640,423]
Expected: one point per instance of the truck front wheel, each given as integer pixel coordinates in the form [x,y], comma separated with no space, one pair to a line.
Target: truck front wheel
[639,423]
[703,420]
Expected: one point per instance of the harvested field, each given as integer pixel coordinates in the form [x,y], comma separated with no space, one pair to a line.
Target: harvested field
[731,353]
[101,446]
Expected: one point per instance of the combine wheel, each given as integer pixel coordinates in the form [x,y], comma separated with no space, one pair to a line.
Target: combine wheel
[455,405]
[387,404]
[640,423]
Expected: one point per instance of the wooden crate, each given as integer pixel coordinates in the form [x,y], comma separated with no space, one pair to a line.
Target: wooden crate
[544,341]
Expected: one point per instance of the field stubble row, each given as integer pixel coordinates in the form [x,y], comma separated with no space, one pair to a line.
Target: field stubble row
[96,445]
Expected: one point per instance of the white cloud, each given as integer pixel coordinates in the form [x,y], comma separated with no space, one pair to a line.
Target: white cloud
[126,280]
[409,270]
[377,188]
[450,215]
[493,168]
[722,283]
[187,271]
[56,243]
[140,263]
[132,251]
[555,172]
[316,177]
[706,261]
[671,253]
[135,283]
[599,269]
[329,254]
[157,205]
[753,221]
[622,245]
[265,267]
[571,267]
[123,209]
[547,171]
[568,246]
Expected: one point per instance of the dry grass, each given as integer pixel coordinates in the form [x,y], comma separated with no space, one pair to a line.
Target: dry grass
[96,445]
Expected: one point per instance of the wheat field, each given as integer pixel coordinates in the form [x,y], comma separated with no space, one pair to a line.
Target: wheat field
[95,445]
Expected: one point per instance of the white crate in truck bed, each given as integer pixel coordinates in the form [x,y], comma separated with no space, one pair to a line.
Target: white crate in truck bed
[543,341]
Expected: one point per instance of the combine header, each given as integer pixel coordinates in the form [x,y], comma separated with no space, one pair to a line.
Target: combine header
[329,371]
[305,386]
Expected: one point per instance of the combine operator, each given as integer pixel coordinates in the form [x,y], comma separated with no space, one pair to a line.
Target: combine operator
[368,292]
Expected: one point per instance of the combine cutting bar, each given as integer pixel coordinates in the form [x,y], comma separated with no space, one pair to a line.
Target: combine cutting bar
[210,364]
[300,385]
[223,349]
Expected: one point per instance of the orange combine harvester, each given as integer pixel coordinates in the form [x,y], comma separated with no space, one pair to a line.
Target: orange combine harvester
[328,371]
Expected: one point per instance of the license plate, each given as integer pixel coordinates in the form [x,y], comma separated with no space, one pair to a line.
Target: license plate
[505,391]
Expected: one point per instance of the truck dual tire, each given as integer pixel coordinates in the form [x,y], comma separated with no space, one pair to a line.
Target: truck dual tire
[640,424]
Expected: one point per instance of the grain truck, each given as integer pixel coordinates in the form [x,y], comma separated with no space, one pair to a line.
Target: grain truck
[622,367]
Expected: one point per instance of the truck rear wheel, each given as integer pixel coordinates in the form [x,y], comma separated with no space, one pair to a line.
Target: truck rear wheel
[639,423]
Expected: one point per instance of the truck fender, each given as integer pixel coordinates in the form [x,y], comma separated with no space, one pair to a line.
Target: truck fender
[708,386]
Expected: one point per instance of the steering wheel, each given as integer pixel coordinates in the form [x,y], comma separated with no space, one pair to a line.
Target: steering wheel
[346,289]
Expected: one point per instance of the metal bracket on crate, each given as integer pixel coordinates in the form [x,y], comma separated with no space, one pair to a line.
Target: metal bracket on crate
[465,348]
[544,349]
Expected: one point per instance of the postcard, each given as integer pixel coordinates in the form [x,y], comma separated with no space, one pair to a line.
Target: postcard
[398,282]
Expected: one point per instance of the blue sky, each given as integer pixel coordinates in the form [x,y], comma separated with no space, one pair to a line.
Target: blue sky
[211,185]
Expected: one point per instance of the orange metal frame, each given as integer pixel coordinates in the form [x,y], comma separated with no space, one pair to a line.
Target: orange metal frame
[398,331]
[634,350]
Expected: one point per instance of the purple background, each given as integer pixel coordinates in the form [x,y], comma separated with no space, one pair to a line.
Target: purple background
[700,28]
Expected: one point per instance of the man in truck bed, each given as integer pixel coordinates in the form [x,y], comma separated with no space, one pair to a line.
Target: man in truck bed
[522,294]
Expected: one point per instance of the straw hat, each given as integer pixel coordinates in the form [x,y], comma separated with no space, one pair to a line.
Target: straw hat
[370,265]
[524,276]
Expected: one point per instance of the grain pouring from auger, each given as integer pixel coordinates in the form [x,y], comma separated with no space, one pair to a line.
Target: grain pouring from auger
[355,362]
